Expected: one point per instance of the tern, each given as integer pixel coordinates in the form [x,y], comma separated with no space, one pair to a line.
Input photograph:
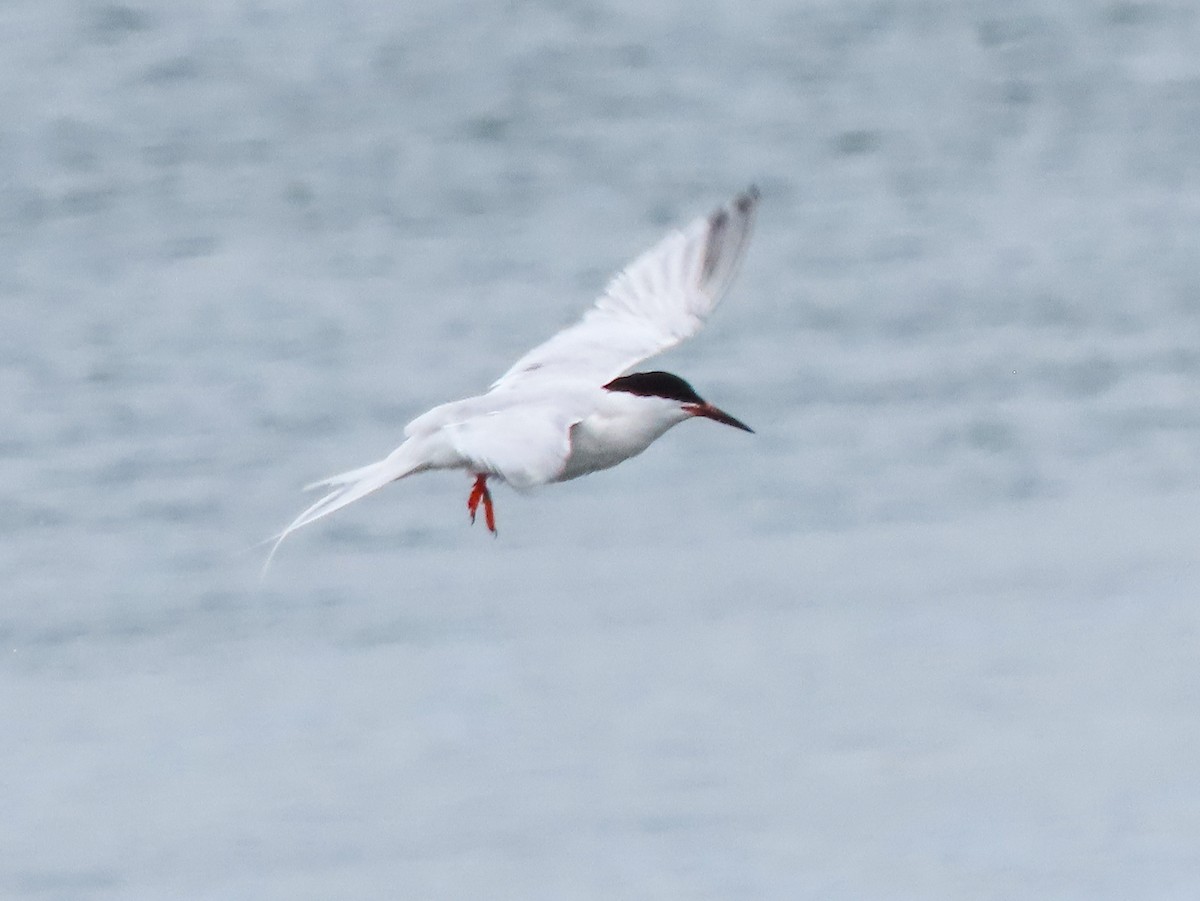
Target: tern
[570,407]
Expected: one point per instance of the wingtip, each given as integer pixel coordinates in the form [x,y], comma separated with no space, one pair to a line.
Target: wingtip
[747,199]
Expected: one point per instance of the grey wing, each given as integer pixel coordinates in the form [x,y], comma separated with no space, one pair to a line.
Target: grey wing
[661,299]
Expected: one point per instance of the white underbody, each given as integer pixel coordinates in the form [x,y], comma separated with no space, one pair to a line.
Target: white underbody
[527,440]
[622,427]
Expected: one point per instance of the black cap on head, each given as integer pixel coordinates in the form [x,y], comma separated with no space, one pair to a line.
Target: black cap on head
[656,384]
[672,387]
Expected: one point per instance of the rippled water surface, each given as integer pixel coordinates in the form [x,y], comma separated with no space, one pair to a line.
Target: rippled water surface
[932,632]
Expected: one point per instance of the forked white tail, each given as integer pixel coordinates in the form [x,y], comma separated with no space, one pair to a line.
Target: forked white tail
[349,487]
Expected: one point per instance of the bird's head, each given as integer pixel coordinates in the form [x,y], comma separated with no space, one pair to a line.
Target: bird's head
[675,394]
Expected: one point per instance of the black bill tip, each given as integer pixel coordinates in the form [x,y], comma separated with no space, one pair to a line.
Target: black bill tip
[716,414]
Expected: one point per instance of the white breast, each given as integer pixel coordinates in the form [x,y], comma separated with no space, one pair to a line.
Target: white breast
[622,426]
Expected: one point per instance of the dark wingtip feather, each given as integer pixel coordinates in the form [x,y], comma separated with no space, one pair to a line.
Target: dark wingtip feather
[717,223]
[747,199]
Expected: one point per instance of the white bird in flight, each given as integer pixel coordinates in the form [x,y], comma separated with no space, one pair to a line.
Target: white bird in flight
[565,409]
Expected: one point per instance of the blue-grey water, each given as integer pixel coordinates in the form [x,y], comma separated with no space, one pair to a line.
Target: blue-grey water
[932,632]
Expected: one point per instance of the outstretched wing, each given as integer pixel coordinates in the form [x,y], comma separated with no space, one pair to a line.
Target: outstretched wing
[661,299]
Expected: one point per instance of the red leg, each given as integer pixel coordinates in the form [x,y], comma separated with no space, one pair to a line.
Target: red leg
[476,493]
[480,493]
[489,511]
